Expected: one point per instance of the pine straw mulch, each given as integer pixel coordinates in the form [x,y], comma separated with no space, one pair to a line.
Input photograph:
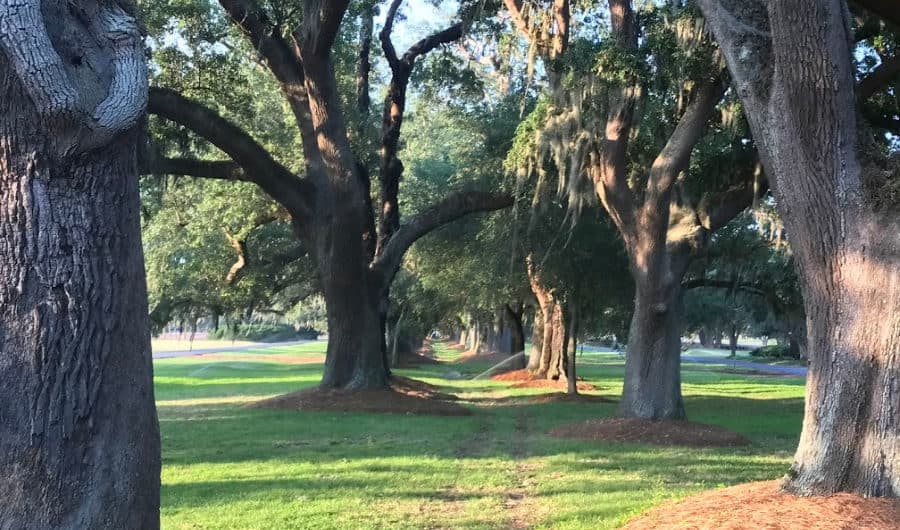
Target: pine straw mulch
[764,505]
[525,379]
[405,396]
[654,432]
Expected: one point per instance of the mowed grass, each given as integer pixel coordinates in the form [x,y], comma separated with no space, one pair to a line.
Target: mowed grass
[229,467]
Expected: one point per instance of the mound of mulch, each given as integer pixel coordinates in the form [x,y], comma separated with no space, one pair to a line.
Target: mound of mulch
[763,505]
[654,432]
[405,396]
[525,379]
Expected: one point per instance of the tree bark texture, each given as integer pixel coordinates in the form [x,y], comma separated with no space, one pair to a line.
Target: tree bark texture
[79,438]
[548,361]
[798,92]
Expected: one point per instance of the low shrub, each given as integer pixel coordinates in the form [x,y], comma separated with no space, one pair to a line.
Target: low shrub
[264,333]
[778,351]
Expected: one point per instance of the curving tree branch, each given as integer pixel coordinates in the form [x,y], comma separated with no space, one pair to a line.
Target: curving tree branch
[450,209]
[294,193]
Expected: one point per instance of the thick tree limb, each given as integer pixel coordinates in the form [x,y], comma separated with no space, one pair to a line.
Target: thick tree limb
[610,172]
[883,74]
[450,209]
[194,167]
[281,184]
[321,22]
[266,38]
[284,62]
[675,156]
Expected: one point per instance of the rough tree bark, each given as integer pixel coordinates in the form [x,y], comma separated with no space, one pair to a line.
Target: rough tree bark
[79,439]
[791,63]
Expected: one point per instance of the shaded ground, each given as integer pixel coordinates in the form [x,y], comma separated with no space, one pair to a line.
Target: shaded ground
[525,379]
[406,396]
[762,505]
[653,432]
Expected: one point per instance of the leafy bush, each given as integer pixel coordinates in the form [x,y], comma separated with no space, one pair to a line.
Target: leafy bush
[778,351]
[264,333]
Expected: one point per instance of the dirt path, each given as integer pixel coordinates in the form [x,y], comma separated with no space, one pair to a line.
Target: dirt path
[520,503]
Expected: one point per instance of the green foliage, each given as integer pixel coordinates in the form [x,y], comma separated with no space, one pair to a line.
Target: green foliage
[263,333]
[777,351]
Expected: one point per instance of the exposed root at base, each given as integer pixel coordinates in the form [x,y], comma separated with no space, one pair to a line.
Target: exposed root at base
[405,396]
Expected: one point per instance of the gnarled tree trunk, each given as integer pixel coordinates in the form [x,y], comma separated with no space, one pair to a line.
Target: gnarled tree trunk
[79,439]
[798,92]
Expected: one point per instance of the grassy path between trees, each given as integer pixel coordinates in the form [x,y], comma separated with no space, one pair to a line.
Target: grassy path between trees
[227,467]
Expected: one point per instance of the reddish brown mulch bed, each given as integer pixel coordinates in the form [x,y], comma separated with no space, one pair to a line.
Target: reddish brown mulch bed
[406,396]
[525,379]
[653,432]
[763,505]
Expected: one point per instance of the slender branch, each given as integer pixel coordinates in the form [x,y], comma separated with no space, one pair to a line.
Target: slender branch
[237,269]
[364,61]
[429,43]
[884,73]
[280,183]
[450,209]
[385,36]
[391,170]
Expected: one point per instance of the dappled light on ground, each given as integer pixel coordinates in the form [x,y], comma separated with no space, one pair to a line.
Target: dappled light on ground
[227,466]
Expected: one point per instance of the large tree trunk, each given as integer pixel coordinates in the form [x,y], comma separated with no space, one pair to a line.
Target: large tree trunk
[355,358]
[548,360]
[652,386]
[79,439]
[798,93]
[537,340]
[514,323]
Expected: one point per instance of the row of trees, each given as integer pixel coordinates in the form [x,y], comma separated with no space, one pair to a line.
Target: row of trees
[671,121]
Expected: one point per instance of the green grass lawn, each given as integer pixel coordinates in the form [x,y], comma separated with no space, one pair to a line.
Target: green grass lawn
[228,467]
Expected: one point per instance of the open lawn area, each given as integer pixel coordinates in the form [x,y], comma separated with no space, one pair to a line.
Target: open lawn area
[229,467]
